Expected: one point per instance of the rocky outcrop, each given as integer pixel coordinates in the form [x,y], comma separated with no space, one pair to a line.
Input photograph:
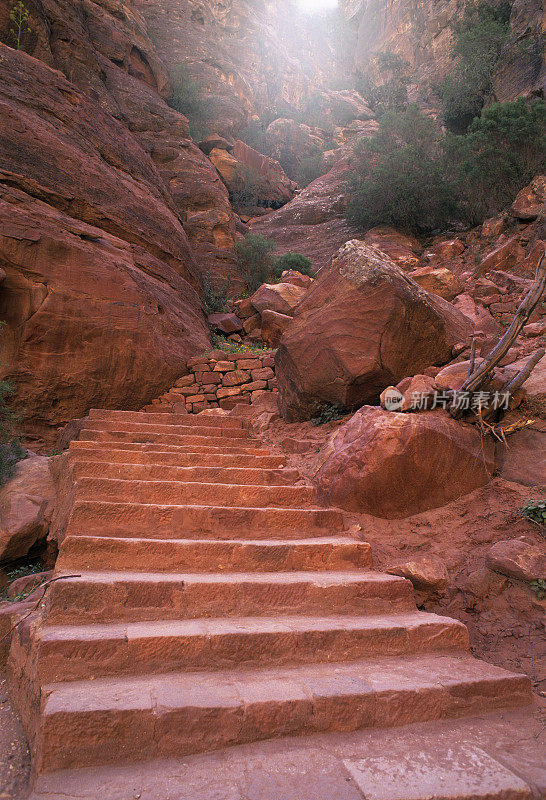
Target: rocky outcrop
[394,465]
[101,280]
[26,505]
[313,223]
[362,326]
[420,33]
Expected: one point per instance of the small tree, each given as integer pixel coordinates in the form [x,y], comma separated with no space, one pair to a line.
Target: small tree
[478,40]
[19,16]
[398,176]
[255,257]
[295,261]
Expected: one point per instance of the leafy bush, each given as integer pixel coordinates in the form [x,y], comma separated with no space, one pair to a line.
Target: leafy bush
[502,151]
[328,412]
[10,447]
[413,176]
[391,94]
[190,98]
[295,261]
[255,257]
[215,293]
[311,167]
[247,189]
[398,176]
[535,510]
[479,35]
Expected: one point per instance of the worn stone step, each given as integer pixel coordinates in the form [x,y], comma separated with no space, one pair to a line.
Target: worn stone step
[211,474]
[165,455]
[162,447]
[96,517]
[66,653]
[120,719]
[166,418]
[224,494]
[182,439]
[93,553]
[132,597]
[180,429]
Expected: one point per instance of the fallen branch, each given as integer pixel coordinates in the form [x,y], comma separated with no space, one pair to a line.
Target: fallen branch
[484,371]
[46,586]
[518,380]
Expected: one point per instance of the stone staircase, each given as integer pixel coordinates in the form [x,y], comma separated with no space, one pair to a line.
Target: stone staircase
[214,603]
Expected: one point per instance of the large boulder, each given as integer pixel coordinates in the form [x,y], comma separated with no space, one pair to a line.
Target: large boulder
[279,297]
[363,325]
[393,465]
[529,203]
[26,505]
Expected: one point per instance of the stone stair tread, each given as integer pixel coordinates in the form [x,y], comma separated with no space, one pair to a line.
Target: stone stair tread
[168,447]
[324,578]
[130,453]
[97,414]
[233,688]
[255,476]
[219,626]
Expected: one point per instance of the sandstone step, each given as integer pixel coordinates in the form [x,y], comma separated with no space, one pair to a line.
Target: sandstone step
[93,553]
[154,472]
[95,517]
[180,439]
[163,455]
[180,429]
[224,494]
[120,719]
[66,653]
[140,596]
[162,447]
[167,418]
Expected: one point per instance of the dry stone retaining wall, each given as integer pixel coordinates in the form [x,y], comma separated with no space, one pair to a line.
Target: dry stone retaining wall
[220,380]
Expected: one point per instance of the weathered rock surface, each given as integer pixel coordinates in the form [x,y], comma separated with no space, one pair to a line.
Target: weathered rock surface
[279,297]
[394,465]
[518,559]
[313,223]
[530,201]
[26,505]
[100,273]
[425,572]
[362,326]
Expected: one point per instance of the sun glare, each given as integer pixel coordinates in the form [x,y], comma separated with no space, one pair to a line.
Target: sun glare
[316,6]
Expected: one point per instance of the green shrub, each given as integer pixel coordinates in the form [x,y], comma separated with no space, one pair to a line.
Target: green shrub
[311,167]
[398,176]
[501,153]
[391,94]
[327,412]
[255,257]
[411,175]
[535,511]
[10,447]
[215,293]
[295,261]
[479,35]
[247,189]
[190,98]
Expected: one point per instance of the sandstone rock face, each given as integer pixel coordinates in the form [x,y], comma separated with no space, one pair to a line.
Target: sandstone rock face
[394,465]
[26,505]
[100,273]
[362,326]
[421,34]
[518,559]
[439,281]
[313,223]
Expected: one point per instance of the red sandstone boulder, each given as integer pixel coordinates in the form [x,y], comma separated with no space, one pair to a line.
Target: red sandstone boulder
[482,320]
[296,278]
[26,505]
[394,465]
[273,327]
[225,323]
[518,559]
[439,281]
[426,572]
[279,297]
[400,247]
[362,326]
[505,256]
[529,203]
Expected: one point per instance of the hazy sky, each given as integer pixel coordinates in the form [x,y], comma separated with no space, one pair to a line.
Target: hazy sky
[316,5]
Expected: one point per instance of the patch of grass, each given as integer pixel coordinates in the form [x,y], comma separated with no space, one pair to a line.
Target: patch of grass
[539,588]
[221,343]
[18,571]
[215,293]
